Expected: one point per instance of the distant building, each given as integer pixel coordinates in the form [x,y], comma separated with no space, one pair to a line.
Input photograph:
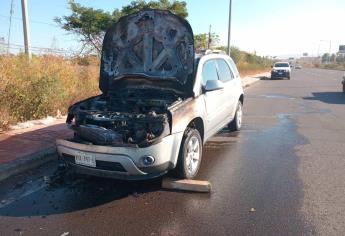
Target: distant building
[2,46]
[341,51]
[309,61]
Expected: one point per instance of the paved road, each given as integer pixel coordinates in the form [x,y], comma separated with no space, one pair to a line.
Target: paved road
[287,163]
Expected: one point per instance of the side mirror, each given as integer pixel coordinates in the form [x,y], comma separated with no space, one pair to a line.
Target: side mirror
[212,85]
[271,66]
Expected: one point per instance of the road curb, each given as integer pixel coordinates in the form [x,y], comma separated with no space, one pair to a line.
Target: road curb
[249,83]
[249,80]
[27,162]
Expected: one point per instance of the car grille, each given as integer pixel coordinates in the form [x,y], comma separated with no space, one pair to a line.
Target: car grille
[101,165]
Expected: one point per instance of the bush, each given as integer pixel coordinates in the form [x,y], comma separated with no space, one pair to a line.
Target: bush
[248,63]
[33,90]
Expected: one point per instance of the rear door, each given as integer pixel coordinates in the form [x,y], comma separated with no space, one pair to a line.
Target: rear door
[229,93]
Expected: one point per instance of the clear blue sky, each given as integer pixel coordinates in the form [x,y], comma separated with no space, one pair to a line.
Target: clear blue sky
[269,27]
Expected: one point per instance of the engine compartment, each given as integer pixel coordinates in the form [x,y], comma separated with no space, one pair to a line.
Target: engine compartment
[128,117]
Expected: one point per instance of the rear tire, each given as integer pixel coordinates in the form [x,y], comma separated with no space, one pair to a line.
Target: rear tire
[190,155]
[236,123]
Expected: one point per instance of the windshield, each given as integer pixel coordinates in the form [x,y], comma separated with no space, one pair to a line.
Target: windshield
[281,65]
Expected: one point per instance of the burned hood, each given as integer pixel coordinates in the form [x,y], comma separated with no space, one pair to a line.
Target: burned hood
[154,44]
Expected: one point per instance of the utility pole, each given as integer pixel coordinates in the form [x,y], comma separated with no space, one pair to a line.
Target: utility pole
[330,49]
[209,38]
[26,29]
[229,27]
[9,29]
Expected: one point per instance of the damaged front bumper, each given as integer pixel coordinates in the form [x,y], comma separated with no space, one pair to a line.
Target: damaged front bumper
[126,163]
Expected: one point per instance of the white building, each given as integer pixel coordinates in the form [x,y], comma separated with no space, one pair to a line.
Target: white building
[3,46]
[341,51]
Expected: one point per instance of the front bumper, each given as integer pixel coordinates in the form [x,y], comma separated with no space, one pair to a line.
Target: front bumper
[281,74]
[123,162]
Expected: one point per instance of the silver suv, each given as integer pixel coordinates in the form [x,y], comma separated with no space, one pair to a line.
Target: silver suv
[159,104]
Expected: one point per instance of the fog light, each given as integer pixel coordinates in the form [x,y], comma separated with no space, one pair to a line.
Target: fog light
[148,160]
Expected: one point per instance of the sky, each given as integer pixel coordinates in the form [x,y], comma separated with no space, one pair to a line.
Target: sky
[267,27]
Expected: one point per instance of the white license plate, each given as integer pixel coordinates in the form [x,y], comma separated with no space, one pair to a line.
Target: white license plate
[85,159]
[280,73]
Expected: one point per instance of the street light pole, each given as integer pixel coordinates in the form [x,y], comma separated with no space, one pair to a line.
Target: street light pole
[26,30]
[229,27]
[330,50]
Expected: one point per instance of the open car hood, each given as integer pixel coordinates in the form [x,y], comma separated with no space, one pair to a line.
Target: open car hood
[154,44]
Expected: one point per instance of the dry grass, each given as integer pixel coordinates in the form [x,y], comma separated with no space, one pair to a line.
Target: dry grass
[43,86]
[249,69]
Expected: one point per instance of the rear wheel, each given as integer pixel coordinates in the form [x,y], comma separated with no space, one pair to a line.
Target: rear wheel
[190,155]
[236,123]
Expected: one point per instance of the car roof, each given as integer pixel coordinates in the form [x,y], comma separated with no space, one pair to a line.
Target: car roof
[283,62]
[212,56]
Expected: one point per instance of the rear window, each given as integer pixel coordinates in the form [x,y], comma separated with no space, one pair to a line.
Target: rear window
[234,67]
[281,65]
[224,71]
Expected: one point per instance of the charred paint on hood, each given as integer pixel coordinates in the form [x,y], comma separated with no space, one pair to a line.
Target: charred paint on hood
[154,44]
[147,72]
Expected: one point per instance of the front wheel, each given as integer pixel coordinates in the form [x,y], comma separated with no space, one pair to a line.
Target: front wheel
[236,123]
[189,159]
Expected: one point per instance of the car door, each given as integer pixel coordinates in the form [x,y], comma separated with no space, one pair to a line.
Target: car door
[213,99]
[228,97]
[237,88]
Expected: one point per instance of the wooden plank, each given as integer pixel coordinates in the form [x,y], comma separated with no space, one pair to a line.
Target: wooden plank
[187,185]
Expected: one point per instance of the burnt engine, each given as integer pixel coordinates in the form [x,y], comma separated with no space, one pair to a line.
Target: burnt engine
[137,117]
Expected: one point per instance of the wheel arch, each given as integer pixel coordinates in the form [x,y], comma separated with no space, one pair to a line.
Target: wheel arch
[198,124]
[241,99]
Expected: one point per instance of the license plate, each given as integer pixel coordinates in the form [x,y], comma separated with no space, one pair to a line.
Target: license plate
[85,159]
[280,73]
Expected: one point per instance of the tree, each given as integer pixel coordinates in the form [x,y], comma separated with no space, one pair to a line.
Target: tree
[201,41]
[325,57]
[90,24]
[340,59]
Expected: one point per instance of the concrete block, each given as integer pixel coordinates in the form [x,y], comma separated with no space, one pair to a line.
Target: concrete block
[187,185]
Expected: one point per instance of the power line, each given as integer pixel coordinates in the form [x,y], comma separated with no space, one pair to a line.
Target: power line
[31,21]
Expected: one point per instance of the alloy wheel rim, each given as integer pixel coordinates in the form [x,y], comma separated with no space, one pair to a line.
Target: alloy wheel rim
[193,155]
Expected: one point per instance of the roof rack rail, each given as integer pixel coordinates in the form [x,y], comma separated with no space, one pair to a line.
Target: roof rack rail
[214,51]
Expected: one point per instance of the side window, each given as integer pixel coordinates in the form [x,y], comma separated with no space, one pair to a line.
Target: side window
[209,72]
[224,71]
[234,67]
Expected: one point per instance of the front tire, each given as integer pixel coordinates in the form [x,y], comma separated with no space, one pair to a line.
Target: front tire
[236,123]
[189,160]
